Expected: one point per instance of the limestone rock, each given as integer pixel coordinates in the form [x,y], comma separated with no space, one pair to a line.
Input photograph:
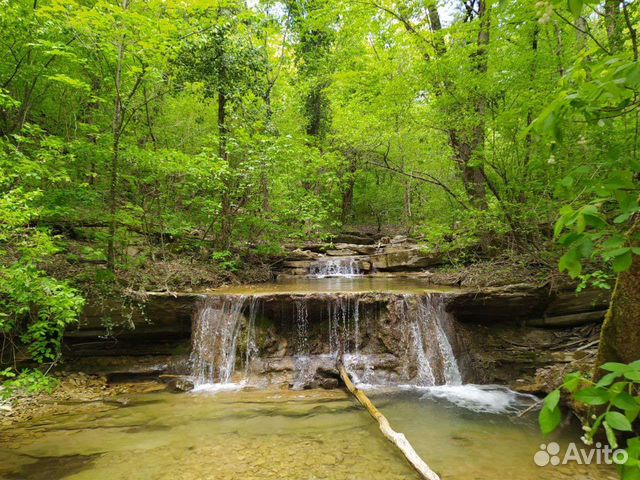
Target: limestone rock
[298,264]
[300,254]
[406,259]
[398,239]
[178,385]
[358,249]
[342,253]
[354,238]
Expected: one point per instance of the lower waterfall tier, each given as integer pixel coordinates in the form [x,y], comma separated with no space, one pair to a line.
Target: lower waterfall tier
[383,339]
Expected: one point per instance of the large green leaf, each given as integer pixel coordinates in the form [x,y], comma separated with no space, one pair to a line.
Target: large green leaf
[549,419]
[617,421]
[622,263]
[593,396]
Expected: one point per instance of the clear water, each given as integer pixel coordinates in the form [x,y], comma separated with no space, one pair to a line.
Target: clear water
[263,434]
[335,267]
[367,283]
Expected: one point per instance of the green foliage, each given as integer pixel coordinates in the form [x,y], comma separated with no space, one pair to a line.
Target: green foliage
[226,261]
[38,308]
[614,406]
[27,382]
[34,307]
[605,196]
[149,129]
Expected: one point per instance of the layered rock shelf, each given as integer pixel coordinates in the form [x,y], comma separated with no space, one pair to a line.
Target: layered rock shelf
[384,254]
[487,330]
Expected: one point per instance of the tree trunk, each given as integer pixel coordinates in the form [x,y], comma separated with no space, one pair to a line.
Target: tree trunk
[620,335]
[434,17]
[529,120]
[468,144]
[472,178]
[226,221]
[264,178]
[612,21]
[478,137]
[347,194]
[115,154]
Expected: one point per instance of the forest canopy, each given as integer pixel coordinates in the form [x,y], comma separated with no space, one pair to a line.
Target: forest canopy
[206,127]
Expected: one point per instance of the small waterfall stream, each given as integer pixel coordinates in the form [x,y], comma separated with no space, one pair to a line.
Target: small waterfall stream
[217,326]
[384,339]
[335,267]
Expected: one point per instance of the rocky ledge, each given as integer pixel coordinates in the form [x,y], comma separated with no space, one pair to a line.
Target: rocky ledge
[370,254]
[508,335]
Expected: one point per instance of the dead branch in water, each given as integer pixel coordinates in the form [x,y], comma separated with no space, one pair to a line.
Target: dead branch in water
[398,439]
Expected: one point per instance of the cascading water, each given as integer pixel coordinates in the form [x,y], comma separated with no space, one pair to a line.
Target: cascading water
[315,330]
[335,267]
[217,325]
[427,327]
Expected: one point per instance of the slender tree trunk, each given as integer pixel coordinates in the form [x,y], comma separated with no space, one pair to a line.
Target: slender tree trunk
[226,220]
[468,144]
[633,35]
[347,194]
[559,47]
[434,17]
[581,37]
[264,179]
[612,20]
[529,139]
[115,154]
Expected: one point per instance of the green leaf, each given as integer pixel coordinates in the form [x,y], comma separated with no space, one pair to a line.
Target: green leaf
[614,367]
[572,381]
[594,220]
[549,419]
[618,421]
[632,413]
[624,401]
[551,401]
[622,262]
[593,396]
[569,262]
[575,7]
[608,379]
[559,226]
[611,436]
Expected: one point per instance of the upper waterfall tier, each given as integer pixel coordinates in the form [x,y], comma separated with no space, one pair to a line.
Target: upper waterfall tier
[336,267]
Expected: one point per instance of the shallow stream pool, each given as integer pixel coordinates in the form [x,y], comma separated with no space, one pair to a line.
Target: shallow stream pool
[465,433]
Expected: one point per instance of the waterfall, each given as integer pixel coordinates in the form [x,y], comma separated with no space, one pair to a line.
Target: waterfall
[432,345]
[218,322]
[335,267]
[384,339]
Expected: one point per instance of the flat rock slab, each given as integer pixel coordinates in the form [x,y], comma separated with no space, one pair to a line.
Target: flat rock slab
[404,259]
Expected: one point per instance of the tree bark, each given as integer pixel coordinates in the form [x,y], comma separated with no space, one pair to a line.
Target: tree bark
[620,335]
[116,125]
[612,20]
[347,194]
[226,225]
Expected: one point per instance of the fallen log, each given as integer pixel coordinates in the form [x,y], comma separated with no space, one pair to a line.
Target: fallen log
[398,439]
